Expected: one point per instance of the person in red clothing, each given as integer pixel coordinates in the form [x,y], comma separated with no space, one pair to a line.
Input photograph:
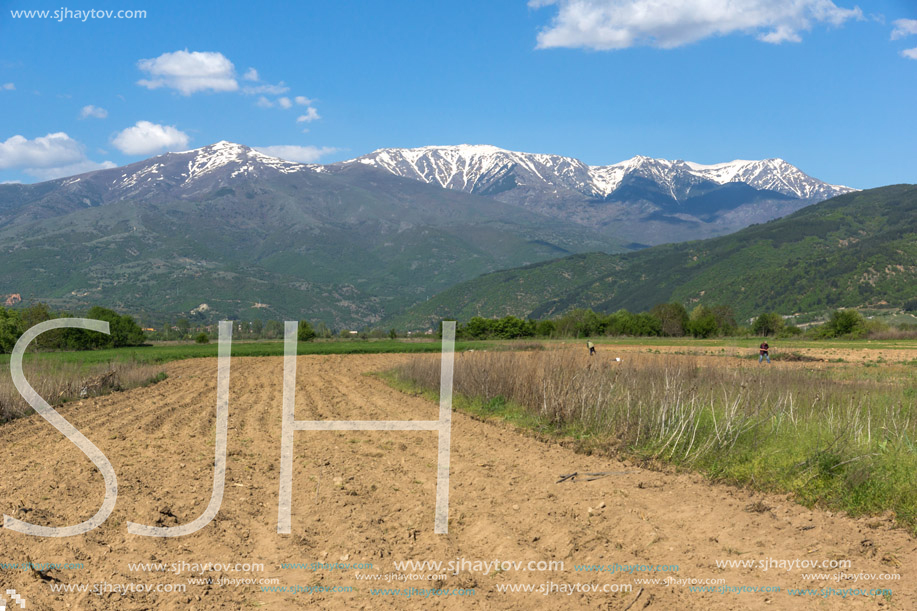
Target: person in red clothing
[764,350]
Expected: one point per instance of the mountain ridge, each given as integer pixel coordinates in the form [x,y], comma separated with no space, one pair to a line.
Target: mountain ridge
[229,227]
[642,200]
[476,163]
[853,250]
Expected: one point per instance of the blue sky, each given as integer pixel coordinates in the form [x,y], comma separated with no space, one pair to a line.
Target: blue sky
[829,86]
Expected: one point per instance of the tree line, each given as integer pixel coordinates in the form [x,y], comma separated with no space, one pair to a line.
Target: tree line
[664,320]
[124,330]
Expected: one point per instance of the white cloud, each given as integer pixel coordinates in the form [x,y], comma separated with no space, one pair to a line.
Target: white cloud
[42,152]
[301,154]
[263,102]
[93,111]
[284,103]
[266,88]
[303,100]
[188,73]
[251,75]
[47,157]
[145,138]
[904,27]
[310,116]
[619,24]
[69,170]
[7,86]
[910,53]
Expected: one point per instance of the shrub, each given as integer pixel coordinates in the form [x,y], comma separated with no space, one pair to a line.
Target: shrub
[202,338]
[845,323]
[305,332]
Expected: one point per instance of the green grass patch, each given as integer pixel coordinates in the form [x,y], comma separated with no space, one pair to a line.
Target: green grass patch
[164,353]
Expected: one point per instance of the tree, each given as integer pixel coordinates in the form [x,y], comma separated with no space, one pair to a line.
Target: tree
[202,338]
[725,319]
[845,322]
[768,323]
[673,318]
[702,322]
[392,334]
[273,329]
[305,332]
[476,328]
[123,330]
[38,313]
[257,328]
[545,328]
[184,327]
[11,328]
[580,323]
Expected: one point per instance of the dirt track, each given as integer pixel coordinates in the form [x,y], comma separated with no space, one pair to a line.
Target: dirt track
[369,497]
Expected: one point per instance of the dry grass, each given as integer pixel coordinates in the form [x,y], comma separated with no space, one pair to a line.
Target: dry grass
[893,334]
[58,382]
[827,434]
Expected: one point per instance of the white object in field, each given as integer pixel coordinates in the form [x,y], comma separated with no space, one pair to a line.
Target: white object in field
[617,358]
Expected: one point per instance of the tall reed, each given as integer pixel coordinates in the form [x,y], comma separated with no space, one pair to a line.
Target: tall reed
[827,434]
[59,381]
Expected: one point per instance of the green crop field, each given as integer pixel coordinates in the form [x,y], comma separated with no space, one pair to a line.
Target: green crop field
[166,352]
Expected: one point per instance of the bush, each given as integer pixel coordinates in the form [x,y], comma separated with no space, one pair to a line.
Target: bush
[305,332]
[202,338]
[845,323]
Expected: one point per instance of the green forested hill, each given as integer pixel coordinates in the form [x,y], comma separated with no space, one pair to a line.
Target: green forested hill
[853,250]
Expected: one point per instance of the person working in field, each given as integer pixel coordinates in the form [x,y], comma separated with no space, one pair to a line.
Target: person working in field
[591,347]
[764,351]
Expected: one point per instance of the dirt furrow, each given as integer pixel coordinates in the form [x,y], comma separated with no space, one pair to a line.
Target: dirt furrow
[368,497]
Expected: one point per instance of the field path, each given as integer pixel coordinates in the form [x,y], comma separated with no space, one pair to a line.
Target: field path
[368,497]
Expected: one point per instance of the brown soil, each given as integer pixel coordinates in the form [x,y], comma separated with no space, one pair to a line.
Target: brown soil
[369,497]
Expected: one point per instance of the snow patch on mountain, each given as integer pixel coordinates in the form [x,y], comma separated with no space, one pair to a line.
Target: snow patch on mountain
[479,168]
[244,159]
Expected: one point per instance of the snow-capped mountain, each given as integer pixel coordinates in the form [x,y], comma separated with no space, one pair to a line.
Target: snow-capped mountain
[252,235]
[485,169]
[641,200]
[185,174]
